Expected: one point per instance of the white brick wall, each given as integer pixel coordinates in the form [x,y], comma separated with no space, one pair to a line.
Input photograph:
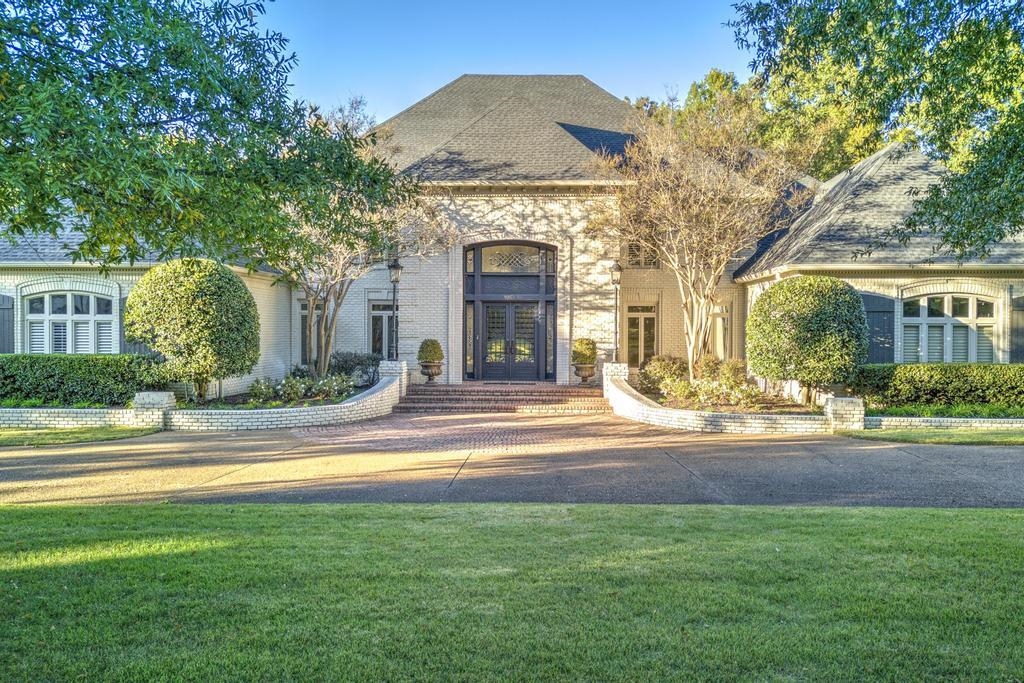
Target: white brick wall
[941,423]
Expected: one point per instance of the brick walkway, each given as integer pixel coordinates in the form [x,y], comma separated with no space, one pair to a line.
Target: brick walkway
[513,458]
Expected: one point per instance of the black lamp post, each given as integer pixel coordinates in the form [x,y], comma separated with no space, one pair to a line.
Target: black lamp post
[616,280]
[395,274]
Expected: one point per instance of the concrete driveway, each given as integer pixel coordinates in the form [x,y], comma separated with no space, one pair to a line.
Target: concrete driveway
[503,457]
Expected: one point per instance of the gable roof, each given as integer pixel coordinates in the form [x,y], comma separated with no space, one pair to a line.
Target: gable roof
[485,128]
[851,209]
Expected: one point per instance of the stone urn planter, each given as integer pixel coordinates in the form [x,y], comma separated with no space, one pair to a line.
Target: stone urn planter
[584,371]
[584,359]
[431,359]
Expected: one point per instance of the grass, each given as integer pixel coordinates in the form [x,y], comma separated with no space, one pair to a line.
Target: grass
[964,437]
[54,437]
[509,592]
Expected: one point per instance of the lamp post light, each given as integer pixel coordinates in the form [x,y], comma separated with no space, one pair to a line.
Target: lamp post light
[395,274]
[616,270]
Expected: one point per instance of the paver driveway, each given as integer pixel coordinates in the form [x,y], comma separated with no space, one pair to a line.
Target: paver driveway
[506,457]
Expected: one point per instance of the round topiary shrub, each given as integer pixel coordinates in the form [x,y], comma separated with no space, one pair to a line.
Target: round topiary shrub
[811,329]
[200,316]
[584,351]
[430,351]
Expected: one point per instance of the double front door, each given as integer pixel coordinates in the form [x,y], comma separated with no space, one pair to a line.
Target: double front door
[510,344]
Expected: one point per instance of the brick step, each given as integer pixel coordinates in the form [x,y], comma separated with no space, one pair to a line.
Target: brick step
[499,390]
[503,408]
[421,398]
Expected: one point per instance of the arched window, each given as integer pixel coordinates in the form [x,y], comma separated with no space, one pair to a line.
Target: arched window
[948,328]
[69,322]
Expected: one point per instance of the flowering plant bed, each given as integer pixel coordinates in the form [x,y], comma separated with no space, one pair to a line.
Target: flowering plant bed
[247,402]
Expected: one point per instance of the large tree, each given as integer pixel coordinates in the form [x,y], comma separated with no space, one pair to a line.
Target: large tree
[347,211]
[951,72]
[700,190]
[149,125]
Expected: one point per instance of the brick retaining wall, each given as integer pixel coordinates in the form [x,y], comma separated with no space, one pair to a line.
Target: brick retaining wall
[888,422]
[377,401]
[628,403]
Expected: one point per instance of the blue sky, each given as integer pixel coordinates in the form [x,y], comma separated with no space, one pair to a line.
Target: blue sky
[395,53]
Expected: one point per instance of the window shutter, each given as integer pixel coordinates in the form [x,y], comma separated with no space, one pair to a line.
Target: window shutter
[104,337]
[6,324]
[80,338]
[961,333]
[936,350]
[36,337]
[911,343]
[985,352]
[59,337]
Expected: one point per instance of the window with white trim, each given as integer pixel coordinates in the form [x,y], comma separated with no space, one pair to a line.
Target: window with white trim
[948,328]
[69,322]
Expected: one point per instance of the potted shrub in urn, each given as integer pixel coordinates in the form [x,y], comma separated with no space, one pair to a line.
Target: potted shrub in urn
[430,357]
[584,358]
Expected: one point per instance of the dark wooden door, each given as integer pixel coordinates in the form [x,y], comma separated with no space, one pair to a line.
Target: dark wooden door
[510,341]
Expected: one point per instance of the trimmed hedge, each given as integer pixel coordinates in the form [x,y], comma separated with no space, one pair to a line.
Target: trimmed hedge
[69,379]
[945,384]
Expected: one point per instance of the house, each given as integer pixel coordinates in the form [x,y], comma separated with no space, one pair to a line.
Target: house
[510,161]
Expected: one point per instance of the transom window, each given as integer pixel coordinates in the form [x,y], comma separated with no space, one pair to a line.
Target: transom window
[69,322]
[948,328]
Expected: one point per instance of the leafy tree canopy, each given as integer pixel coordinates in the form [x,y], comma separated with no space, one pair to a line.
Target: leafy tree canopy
[152,126]
[950,72]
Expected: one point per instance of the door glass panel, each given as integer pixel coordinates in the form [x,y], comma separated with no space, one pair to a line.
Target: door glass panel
[470,257]
[633,341]
[494,350]
[549,337]
[467,347]
[648,339]
[525,330]
[377,334]
[510,258]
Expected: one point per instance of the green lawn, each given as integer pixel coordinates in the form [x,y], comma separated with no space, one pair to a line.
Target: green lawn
[51,437]
[969,437]
[513,592]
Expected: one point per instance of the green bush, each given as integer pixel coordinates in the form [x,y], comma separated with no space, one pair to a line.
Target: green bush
[293,388]
[200,316]
[67,380]
[262,390]
[707,367]
[720,383]
[332,387]
[430,351]
[945,384]
[811,329]
[584,351]
[362,367]
[657,370]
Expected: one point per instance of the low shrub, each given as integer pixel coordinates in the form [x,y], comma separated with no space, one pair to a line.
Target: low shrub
[361,367]
[584,351]
[293,388]
[946,384]
[719,384]
[332,387]
[707,367]
[659,369]
[66,380]
[430,351]
[262,390]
